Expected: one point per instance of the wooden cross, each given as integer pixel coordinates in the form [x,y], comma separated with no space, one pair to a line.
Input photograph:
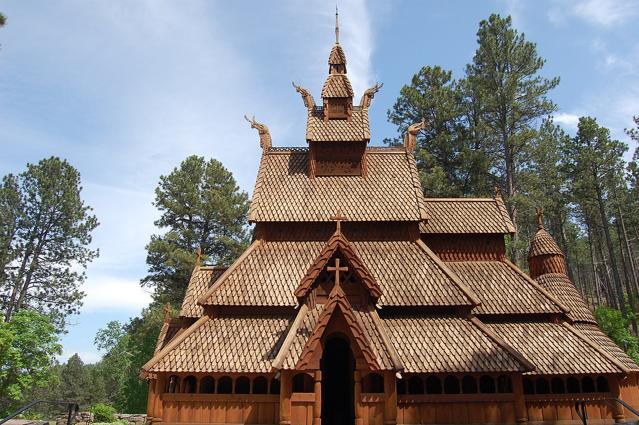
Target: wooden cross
[338,218]
[539,212]
[337,269]
[198,256]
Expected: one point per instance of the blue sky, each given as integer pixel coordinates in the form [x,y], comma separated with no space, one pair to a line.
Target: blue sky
[126,89]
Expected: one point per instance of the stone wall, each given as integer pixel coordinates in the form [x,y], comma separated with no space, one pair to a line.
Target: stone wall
[83,418]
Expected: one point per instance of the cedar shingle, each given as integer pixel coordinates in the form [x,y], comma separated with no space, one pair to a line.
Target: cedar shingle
[554,349]
[467,215]
[543,244]
[501,289]
[560,286]
[446,345]
[337,85]
[356,129]
[593,332]
[201,280]
[389,192]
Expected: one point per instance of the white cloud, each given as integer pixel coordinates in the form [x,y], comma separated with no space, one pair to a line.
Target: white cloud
[602,13]
[106,292]
[569,121]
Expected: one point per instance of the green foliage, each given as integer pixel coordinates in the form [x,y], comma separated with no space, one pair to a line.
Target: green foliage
[45,242]
[202,207]
[28,346]
[617,327]
[103,413]
[3,20]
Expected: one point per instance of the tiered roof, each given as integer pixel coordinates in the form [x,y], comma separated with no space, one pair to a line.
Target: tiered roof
[420,314]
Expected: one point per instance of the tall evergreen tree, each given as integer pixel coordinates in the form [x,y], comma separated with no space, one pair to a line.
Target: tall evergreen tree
[45,241]
[512,95]
[202,208]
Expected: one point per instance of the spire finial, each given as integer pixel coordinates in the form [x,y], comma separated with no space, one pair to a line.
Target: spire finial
[336,25]
[539,212]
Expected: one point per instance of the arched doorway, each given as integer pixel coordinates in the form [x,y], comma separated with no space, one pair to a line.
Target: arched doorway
[338,404]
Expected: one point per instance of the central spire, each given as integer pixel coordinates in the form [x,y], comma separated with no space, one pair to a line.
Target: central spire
[336,25]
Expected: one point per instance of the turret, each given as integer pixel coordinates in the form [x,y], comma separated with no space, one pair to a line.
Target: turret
[544,255]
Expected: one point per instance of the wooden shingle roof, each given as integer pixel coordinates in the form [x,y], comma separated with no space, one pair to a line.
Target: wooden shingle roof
[407,273]
[355,129]
[337,85]
[593,332]
[467,215]
[504,289]
[389,192]
[563,289]
[558,349]
[543,244]
[450,345]
[223,344]
[337,56]
[201,280]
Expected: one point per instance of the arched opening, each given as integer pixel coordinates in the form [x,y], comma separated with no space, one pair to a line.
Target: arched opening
[433,385]
[373,383]
[415,385]
[587,384]
[275,386]
[469,385]
[541,386]
[302,383]
[207,385]
[242,385]
[189,385]
[337,364]
[504,384]
[602,384]
[173,384]
[260,385]
[487,384]
[572,385]
[225,385]
[557,386]
[451,385]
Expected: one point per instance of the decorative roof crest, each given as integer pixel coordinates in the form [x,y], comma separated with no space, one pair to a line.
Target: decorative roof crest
[307,97]
[539,213]
[410,138]
[262,129]
[369,94]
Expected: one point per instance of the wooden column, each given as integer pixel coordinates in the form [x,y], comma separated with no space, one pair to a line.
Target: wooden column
[358,398]
[317,407]
[286,388]
[617,409]
[521,414]
[151,400]
[390,398]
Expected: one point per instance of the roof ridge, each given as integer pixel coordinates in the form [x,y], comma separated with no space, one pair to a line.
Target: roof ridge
[144,370]
[536,285]
[501,207]
[290,336]
[257,191]
[381,328]
[502,343]
[417,185]
[469,293]
[220,280]
[461,199]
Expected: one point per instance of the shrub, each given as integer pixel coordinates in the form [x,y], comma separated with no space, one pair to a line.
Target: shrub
[617,327]
[103,413]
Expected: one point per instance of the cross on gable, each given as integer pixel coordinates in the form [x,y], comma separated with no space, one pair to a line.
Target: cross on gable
[337,269]
[198,256]
[338,218]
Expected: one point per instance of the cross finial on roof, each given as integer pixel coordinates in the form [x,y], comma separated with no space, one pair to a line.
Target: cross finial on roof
[198,256]
[338,218]
[497,191]
[167,312]
[337,269]
[539,212]
[336,25]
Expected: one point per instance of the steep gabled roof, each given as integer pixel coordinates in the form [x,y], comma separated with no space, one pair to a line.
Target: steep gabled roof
[201,280]
[338,242]
[390,190]
[561,287]
[356,129]
[467,215]
[504,289]
[338,302]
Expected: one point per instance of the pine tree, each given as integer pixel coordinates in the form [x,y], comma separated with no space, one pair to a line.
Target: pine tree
[202,208]
[512,96]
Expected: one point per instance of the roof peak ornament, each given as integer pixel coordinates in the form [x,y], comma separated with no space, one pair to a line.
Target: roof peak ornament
[410,138]
[539,213]
[198,256]
[336,25]
[369,94]
[307,97]
[338,218]
[262,130]
[497,190]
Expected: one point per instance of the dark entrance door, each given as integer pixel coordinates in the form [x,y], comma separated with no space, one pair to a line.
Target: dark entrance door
[338,404]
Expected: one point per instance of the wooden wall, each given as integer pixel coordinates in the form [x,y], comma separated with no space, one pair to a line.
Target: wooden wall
[548,410]
[220,408]
[456,409]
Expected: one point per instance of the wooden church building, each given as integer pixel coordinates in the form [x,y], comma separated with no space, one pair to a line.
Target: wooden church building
[361,302]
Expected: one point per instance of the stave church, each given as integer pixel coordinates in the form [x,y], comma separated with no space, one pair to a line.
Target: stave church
[362,302]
